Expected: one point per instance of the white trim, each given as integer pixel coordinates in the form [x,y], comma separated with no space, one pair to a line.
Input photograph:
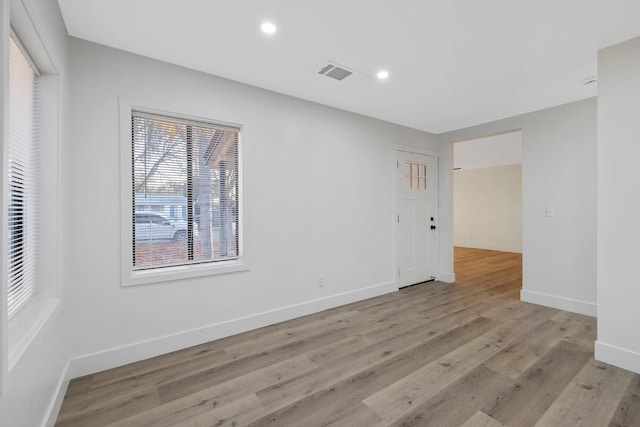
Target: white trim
[179,272]
[27,32]
[27,324]
[446,277]
[488,246]
[51,414]
[118,356]
[416,150]
[617,356]
[129,276]
[561,303]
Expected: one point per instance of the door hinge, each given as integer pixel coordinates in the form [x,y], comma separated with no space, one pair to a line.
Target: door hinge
[398,219]
[397,164]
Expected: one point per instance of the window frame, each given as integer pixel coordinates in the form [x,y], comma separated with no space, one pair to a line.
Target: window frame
[131,276]
[18,333]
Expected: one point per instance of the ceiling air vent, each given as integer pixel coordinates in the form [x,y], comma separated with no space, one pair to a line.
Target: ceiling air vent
[335,72]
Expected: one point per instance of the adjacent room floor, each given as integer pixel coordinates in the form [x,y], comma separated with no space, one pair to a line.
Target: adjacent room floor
[468,353]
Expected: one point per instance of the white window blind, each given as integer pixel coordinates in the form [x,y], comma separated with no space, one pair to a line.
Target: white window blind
[21,168]
[184,191]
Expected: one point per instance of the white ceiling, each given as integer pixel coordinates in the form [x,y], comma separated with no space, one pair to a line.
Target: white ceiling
[488,152]
[453,63]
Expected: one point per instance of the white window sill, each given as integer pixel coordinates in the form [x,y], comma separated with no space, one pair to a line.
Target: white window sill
[167,274]
[24,328]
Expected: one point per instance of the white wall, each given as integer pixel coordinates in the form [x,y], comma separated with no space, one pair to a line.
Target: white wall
[559,170]
[34,386]
[618,206]
[489,151]
[488,208]
[318,200]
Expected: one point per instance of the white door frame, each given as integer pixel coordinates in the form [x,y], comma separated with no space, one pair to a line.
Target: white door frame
[396,231]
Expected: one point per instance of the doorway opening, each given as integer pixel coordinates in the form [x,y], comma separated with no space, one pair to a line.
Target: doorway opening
[487,207]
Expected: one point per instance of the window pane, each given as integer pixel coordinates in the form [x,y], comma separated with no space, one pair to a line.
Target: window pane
[159,162]
[21,206]
[414,169]
[423,170]
[215,193]
[186,174]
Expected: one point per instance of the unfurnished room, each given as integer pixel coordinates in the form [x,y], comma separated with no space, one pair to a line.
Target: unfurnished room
[252,213]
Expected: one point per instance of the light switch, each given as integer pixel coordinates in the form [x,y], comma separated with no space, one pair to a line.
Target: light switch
[550,211]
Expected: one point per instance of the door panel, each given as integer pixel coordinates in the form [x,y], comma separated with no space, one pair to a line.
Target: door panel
[417,195]
[406,260]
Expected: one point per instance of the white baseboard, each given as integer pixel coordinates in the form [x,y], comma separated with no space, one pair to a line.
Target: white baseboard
[113,357]
[489,246]
[56,400]
[561,303]
[446,277]
[620,357]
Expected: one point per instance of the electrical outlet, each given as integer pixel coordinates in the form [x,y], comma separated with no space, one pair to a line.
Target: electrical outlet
[321,281]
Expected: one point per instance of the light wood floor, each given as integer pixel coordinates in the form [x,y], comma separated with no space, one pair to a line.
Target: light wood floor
[468,354]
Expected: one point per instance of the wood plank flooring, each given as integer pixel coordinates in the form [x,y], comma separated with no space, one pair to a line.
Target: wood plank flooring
[465,354]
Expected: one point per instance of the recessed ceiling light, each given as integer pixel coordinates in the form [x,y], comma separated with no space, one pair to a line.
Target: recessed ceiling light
[268,28]
[382,75]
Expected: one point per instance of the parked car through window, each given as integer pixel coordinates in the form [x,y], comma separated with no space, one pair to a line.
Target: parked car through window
[153,226]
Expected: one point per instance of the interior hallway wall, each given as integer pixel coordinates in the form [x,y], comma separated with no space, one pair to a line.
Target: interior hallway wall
[488,208]
[618,205]
[559,171]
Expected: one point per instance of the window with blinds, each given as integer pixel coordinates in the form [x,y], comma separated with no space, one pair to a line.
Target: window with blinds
[21,202]
[184,191]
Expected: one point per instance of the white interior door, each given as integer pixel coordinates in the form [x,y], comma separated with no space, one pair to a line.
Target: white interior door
[417,196]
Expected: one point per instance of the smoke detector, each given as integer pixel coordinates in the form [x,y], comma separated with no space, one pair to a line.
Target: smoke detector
[335,71]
